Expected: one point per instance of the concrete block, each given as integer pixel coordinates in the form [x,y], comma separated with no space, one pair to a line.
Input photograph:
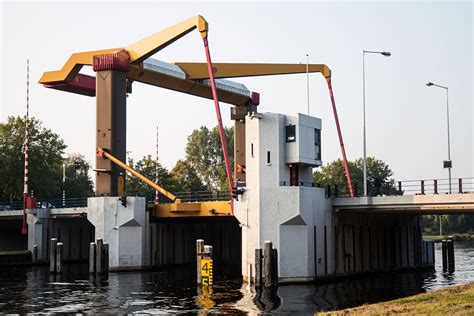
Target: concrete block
[125,229]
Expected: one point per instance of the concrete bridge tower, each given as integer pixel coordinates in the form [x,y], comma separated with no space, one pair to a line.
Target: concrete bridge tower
[281,203]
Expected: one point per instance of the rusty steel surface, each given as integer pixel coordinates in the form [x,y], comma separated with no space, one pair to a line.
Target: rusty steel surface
[111,122]
[239,150]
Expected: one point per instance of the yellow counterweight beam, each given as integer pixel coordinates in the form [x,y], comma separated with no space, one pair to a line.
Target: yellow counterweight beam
[197,71]
[171,196]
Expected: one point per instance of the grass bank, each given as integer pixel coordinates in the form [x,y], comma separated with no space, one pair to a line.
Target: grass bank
[456,300]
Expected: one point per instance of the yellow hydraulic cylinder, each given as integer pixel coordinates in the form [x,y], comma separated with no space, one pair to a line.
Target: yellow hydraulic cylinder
[102,153]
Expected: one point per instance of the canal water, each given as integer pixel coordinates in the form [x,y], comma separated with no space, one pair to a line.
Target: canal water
[32,289]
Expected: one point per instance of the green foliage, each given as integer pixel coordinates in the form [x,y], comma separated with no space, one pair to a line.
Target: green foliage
[186,177]
[45,161]
[203,169]
[182,178]
[451,224]
[378,173]
[78,183]
[204,154]
[147,167]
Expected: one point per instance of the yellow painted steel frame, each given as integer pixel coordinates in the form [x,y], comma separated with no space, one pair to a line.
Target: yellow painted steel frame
[137,51]
[197,71]
[192,209]
[171,196]
[177,208]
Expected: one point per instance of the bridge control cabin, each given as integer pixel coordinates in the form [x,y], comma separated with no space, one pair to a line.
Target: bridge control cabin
[281,203]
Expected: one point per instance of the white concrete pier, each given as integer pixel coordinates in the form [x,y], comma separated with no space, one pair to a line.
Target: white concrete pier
[124,228]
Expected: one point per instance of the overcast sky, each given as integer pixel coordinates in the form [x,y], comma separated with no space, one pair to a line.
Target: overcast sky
[406,121]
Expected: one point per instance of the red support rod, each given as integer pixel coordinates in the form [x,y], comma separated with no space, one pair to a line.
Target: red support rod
[219,121]
[341,142]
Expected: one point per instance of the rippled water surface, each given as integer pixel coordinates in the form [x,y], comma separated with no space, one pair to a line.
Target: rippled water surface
[32,289]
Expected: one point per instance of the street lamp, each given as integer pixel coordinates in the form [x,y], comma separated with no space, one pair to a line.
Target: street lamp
[447,164]
[64,184]
[386,54]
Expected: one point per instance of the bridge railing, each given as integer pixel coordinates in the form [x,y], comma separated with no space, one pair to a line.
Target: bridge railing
[200,196]
[436,186]
[46,203]
[408,187]
[197,196]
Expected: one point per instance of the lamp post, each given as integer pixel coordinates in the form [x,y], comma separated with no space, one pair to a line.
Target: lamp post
[386,54]
[447,164]
[64,185]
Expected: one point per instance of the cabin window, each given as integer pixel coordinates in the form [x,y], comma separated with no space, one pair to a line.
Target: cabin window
[317,143]
[291,133]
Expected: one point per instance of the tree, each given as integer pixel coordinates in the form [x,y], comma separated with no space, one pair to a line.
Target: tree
[45,159]
[186,177]
[204,154]
[378,174]
[78,183]
[147,167]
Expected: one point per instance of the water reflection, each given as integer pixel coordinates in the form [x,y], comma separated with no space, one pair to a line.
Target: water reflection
[32,289]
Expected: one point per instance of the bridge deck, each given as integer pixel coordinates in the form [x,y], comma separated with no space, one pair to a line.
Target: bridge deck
[419,204]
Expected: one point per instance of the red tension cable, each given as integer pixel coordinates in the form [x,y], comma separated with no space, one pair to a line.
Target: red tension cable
[341,142]
[219,121]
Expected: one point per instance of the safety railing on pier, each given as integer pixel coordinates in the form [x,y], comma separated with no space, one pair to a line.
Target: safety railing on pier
[406,187]
[200,196]
[46,203]
[196,196]
[300,183]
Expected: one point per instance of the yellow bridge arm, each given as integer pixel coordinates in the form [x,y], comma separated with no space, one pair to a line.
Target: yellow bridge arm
[197,71]
[144,48]
[137,51]
[102,153]
[73,65]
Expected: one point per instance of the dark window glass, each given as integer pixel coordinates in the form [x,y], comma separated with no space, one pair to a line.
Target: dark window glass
[268,157]
[290,133]
[251,149]
[317,143]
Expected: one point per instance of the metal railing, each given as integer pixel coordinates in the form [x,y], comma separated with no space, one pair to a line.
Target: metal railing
[300,184]
[195,196]
[46,203]
[435,186]
[406,187]
[410,187]
[200,196]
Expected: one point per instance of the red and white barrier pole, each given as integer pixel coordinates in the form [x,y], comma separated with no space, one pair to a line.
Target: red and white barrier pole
[25,184]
